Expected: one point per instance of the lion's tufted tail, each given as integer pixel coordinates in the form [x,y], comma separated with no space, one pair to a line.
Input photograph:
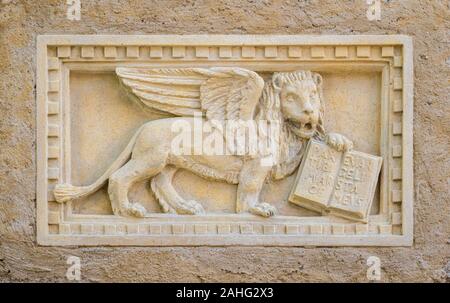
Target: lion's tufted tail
[67,192]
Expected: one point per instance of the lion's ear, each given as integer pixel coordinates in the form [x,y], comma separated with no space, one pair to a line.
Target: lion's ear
[317,79]
[276,81]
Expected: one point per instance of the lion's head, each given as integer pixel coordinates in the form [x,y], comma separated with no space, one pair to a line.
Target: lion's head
[300,100]
[296,99]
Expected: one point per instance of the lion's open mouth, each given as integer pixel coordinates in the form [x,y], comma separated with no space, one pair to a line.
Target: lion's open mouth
[304,130]
[307,126]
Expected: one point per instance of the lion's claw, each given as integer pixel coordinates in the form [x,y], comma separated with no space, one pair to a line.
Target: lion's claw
[339,142]
[135,210]
[195,208]
[263,209]
[189,207]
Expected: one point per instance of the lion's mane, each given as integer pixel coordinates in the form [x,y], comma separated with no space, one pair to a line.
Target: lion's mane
[291,147]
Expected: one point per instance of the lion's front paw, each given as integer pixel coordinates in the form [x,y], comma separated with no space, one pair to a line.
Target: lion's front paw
[189,207]
[195,208]
[339,142]
[134,210]
[263,209]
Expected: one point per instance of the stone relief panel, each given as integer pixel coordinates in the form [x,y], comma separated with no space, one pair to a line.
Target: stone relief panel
[224,140]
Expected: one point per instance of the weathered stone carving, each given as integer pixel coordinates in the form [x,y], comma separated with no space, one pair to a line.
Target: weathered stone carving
[122,180]
[291,100]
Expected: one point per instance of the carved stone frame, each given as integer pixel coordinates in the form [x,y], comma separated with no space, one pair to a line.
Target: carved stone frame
[391,55]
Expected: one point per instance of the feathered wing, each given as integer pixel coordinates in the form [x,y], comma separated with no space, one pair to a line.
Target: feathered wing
[220,93]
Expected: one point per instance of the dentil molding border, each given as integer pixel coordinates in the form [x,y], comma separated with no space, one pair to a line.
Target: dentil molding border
[391,55]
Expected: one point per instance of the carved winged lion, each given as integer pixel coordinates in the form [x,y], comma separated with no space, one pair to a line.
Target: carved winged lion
[294,100]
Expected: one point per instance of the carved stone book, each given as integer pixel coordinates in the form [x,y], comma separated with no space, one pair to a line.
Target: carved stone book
[339,183]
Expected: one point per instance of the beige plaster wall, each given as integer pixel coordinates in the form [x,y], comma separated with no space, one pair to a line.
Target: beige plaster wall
[428,22]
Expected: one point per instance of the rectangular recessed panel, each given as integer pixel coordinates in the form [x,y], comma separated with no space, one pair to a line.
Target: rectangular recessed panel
[96,93]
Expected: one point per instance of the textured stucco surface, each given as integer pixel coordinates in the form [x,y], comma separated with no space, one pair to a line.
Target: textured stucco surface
[428,22]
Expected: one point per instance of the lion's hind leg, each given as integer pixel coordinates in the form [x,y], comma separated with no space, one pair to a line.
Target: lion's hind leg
[168,197]
[121,181]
